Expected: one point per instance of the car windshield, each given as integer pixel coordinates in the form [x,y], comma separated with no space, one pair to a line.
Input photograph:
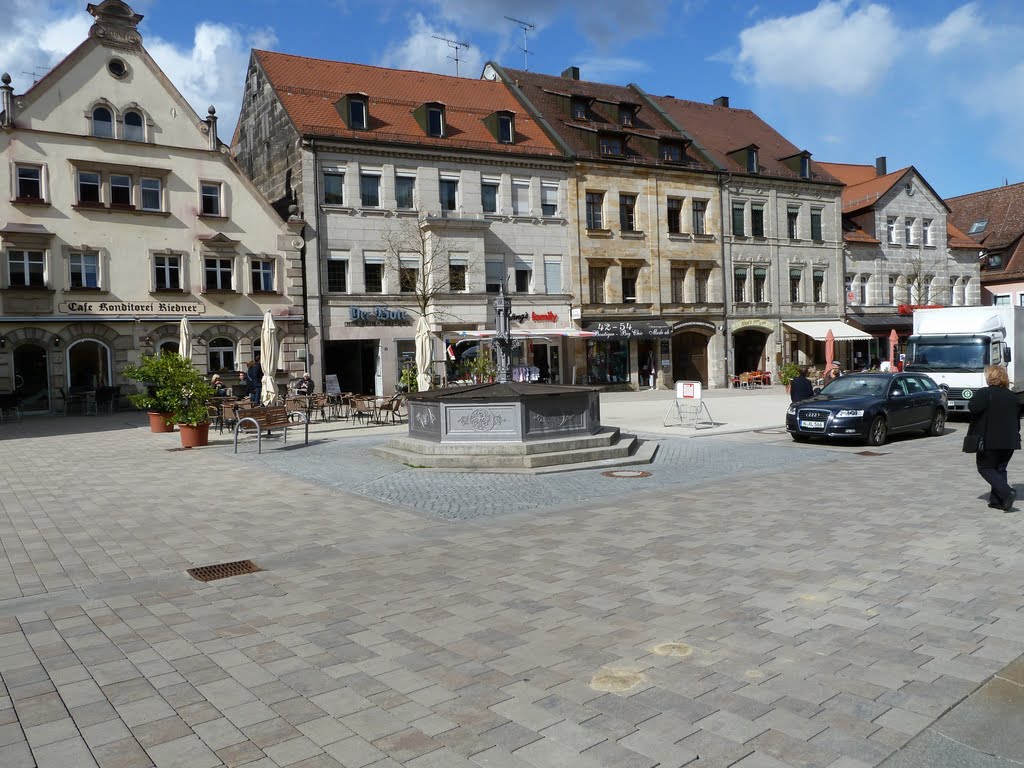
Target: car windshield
[856,386]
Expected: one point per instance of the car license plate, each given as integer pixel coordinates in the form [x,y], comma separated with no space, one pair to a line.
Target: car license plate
[812,424]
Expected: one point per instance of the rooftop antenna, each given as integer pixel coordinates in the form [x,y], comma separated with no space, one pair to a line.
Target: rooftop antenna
[454,44]
[35,74]
[526,27]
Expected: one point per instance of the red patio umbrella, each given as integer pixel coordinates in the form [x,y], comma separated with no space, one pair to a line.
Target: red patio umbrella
[894,341]
[830,350]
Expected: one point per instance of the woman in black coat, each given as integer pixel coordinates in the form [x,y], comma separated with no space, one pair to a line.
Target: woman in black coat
[995,417]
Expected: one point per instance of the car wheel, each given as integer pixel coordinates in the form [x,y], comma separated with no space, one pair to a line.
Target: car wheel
[877,433]
[800,438]
[938,423]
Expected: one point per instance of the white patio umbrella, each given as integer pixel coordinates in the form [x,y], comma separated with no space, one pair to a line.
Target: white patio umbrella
[185,339]
[423,354]
[268,358]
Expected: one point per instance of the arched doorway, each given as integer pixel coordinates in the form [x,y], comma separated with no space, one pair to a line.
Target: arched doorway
[168,346]
[690,357]
[32,377]
[749,351]
[88,365]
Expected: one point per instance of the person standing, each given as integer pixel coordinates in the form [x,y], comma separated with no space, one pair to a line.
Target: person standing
[800,388]
[995,418]
[254,378]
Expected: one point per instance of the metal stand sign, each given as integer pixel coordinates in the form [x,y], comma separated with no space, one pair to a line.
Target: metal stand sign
[689,408]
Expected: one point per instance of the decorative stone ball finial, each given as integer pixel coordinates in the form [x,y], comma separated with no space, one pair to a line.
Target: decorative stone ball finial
[211,111]
[6,78]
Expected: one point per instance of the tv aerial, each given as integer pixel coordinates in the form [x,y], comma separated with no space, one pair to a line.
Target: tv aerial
[526,27]
[454,45]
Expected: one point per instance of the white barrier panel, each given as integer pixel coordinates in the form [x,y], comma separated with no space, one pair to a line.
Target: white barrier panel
[688,410]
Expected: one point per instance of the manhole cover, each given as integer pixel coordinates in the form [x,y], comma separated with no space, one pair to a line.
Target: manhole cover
[626,473]
[223,570]
[871,453]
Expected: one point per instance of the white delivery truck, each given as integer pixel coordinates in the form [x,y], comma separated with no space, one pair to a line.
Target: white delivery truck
[954,344]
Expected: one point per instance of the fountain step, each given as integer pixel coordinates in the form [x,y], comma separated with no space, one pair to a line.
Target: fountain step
[479,457]
[607,436]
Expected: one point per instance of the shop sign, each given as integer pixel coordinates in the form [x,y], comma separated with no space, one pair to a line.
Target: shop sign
[131,308]
[753,323]
[518,317]
[544,317]
[908,309]
[377,316]
[703,324]
[637,329]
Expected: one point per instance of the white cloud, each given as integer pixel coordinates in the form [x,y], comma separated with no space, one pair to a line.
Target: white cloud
[830,47]
[210,72]
[23,49]
[420,50]
[962,27]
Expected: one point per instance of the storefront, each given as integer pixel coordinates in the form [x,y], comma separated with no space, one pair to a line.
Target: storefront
[880,327]
[805,344]
[627,353]
[87,344]
[368,351]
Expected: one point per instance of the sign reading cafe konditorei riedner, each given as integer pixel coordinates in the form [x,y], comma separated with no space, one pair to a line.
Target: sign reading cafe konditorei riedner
[131,308]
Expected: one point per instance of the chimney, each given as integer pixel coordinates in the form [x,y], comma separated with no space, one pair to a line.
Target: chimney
[6,101]
[211,123]
[572,73]
[880,166]
[721,101]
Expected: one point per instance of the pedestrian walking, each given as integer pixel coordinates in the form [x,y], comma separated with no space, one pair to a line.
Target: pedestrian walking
[994,434]
[800,388]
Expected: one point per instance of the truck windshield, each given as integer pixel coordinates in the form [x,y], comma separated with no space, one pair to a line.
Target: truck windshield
[943,354]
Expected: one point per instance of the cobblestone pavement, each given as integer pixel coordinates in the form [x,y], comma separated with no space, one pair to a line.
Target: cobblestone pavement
[754,603]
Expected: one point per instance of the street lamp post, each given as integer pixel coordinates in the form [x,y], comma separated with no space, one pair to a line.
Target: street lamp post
[503,334]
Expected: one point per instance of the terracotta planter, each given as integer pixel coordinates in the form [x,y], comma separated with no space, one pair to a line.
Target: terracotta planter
[160,422]
[194,436]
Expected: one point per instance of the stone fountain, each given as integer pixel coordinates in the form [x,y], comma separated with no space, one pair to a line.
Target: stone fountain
[508,426]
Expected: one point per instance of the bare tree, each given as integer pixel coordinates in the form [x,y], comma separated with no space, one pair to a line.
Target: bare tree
[421,258]
[919,269]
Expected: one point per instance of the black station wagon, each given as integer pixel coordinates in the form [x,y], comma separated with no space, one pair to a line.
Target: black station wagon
[869,407]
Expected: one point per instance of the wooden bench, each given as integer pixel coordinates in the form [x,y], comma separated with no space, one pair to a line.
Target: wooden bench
[270,417]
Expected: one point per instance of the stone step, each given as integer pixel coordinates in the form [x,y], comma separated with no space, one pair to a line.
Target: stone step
[627,451]
[607,436]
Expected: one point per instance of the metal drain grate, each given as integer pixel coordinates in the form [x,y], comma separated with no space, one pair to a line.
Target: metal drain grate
[223,570]
[871,453]
[626,473]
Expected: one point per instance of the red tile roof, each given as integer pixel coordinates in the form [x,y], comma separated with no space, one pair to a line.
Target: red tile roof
[308,89]
[721,130]
[1003,207]
[863,187]
[550,95]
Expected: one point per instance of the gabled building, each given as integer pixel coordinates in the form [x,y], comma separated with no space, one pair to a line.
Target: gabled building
[781,237]
[994,220]
[121,214]
[644,214]
[422,194]
[901,251]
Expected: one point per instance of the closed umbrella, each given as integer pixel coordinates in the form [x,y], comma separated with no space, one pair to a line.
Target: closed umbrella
[423,354]
[894,341]
[830,350]
[185,339]
[268,355]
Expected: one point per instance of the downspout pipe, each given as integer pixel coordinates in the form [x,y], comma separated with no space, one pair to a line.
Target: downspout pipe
[723,179]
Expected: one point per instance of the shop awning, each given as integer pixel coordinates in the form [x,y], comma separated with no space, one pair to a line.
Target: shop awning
[818,330]
[630,329]
[522,333]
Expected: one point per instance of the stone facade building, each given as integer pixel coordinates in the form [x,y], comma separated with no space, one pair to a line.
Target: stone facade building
[121,213]
[422,194]
[900,251]
[994,220]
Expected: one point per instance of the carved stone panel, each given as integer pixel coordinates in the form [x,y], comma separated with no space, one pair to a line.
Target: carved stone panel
[482,421]
[425,421]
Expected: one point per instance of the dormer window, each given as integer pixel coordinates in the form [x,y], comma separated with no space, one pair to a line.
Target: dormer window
[579,109]
[506,129]
[357,114]
[102,123]
[134,126]
[626,115]
[752,166]
[610,145]
[671,152]
[435,120]
[805,167]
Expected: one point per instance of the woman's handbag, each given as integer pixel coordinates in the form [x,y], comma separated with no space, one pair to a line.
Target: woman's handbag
[972,443]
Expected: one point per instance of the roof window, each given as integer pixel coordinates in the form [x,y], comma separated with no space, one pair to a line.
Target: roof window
[978,226]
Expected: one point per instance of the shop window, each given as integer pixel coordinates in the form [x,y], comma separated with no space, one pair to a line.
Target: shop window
[607,361]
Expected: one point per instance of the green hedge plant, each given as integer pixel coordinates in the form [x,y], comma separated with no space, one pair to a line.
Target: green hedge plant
[173,386]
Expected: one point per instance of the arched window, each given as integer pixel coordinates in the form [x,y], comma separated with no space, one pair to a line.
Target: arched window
[88,364]
[221,355]
[169,346]
[134,126]
[102,123]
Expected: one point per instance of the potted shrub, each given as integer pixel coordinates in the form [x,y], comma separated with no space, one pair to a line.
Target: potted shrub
[788,372]
[155,373]
[191,412]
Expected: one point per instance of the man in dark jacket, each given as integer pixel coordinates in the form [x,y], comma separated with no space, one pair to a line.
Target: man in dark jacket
[995,416]
[254,378]
[800,388]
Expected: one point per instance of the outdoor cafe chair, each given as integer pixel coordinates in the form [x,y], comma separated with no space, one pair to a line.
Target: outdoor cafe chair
[364,407]
[393,408]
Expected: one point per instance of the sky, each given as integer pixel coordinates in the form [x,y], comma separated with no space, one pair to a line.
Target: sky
[937,84]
